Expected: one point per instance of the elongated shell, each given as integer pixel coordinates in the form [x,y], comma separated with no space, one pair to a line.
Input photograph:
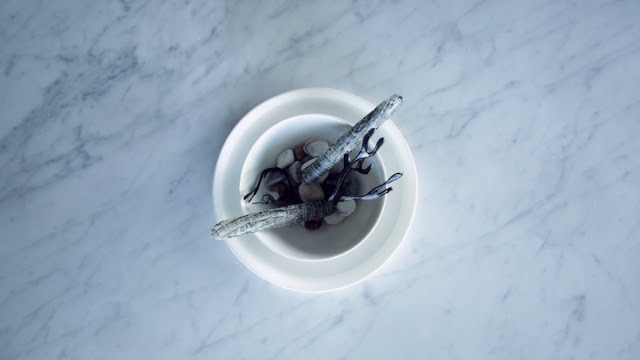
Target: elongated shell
[271,219]
[305,165]
[351,139]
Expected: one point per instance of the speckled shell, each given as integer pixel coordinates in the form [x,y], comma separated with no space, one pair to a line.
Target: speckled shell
[320,179]
[316,147]
[270,219]
[351,139]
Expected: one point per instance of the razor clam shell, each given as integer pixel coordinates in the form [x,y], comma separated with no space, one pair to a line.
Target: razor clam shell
[271,219]
[351,139]
[305,165]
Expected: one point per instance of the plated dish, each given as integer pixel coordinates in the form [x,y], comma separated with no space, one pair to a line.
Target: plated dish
[326,273]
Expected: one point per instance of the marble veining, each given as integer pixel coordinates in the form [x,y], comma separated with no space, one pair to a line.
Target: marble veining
[522,118]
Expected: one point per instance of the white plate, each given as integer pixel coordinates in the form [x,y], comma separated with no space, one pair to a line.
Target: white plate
[367,257]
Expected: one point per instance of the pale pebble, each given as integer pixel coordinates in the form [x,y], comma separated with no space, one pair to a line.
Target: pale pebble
[333,219]
[285,159]
[310,192]
[345,208]
[295,170]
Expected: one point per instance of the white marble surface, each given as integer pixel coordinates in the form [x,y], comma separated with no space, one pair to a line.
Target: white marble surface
[523,118]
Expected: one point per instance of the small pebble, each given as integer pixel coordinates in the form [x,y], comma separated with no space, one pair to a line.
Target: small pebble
[295,170]
[298,153]
[345,208]
[285,159]
[274,178]
[310,192]
[313,224]
[333,219]
[322,178]
[306,158]
[316,147]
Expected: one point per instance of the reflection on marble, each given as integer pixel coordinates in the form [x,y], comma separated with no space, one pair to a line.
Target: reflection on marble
[523,118]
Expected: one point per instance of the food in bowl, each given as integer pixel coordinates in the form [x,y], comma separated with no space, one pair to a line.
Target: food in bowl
[308,202]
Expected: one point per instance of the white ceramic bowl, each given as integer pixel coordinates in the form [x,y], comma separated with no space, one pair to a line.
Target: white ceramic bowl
[356,264]
[297,242]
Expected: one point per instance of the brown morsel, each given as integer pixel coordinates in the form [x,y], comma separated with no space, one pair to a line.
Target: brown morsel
[298,152]
[310,192]
[279,187]
[281,190]
[313,224]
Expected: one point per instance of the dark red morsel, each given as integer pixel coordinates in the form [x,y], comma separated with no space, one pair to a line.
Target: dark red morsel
[313,224]
[298,153]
